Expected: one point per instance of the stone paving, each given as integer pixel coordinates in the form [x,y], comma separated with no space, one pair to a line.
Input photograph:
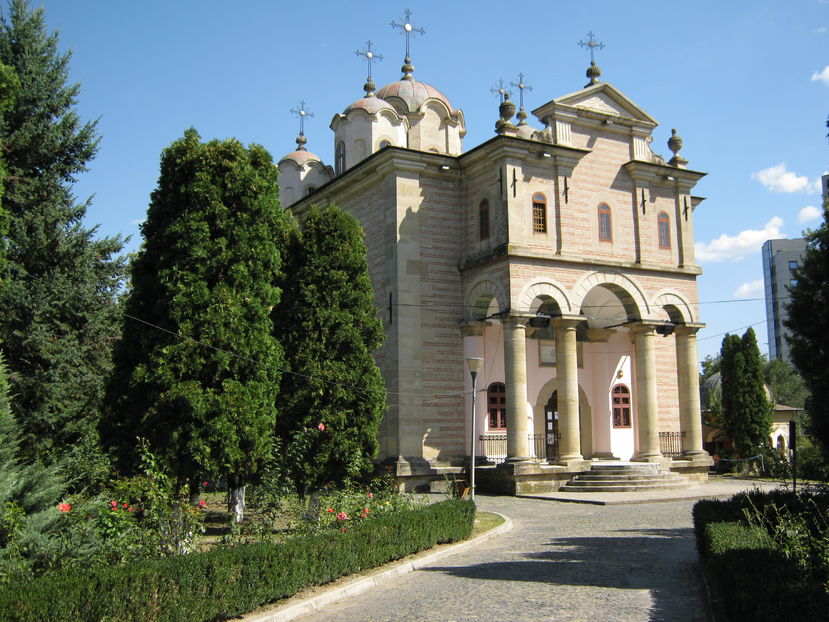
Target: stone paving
[560,561]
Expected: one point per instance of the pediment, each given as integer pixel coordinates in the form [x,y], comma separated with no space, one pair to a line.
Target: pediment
[602,98]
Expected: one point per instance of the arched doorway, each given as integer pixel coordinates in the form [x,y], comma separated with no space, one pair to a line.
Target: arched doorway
[551,435]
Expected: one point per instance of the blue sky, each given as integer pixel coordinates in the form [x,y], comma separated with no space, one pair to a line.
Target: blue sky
[746,85]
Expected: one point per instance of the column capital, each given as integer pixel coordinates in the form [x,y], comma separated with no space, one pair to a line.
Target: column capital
[473,328]
[688,329]
[567,321]
[517,320]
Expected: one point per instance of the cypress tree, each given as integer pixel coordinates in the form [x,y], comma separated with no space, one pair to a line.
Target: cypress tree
[198,367]
[332,402]
[746,411]
[60,284]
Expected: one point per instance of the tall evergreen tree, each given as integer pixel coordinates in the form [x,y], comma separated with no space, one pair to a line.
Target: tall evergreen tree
[746,411]
[332,402]
[808,324]
[60,284]
[198,367]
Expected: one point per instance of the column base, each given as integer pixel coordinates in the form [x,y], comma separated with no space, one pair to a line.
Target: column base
[520,460]
[650,457]
[697,456]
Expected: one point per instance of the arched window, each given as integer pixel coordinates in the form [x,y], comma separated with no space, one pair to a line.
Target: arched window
[384,143]
[496,404]
[664,224]
[605,228]
[339,158]
[483,219]
[621,406]
[539,213]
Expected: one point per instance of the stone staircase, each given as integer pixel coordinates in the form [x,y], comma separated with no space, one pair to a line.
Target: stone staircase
[627,477]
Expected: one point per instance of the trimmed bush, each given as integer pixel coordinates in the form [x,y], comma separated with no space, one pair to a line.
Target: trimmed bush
[227,582]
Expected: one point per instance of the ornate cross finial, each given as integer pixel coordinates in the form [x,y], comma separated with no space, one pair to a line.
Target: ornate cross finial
[301,111]
[592,44]
[500,90]
[521,88]
[370,56]
[409,31]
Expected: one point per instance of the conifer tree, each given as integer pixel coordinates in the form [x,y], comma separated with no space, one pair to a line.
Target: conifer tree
[198,367]
[808,323]
[746,411]
[332,402]
[60,284]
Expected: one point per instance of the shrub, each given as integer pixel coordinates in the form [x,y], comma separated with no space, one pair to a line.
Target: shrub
[226,582]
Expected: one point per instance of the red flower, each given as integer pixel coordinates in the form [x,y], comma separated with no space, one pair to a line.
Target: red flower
[64,507]
[125,505]
[343,529]
[331,510]
[205,483]
[129,509]
[342,516]
[321,427]
[202,503]
[365,510]
[370,496]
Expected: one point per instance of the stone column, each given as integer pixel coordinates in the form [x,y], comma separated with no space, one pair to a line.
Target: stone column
[688,383]
[567,370]
[646,402]
[515,379]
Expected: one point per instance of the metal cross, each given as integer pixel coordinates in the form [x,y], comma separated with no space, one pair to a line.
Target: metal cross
[370,56]
[500,90]
[301,111]
[591,43]
[521,88]
[407,28]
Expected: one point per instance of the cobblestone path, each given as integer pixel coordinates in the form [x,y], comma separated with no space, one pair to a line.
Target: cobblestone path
[561,561]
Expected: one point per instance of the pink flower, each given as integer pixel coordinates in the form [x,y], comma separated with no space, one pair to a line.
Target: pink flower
[125,505]
[205,483]
[370,496]
[321,427]
[343,529]
[129,509]
[64,507]
[202,503]
[114,504]
[342,516]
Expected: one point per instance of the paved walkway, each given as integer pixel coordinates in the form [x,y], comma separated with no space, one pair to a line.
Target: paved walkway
[560,561]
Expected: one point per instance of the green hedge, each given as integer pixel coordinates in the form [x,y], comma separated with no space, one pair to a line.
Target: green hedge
[753,578]
[223,583]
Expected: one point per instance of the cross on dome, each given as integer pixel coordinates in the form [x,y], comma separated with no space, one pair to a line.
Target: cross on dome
[593,72]
[301,111]
[408,31]
[521,86]
[370,56]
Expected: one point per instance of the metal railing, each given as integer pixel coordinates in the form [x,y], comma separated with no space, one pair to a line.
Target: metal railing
[493,447]
[670,443]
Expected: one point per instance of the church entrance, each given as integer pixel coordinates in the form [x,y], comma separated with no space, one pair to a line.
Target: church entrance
[551,435]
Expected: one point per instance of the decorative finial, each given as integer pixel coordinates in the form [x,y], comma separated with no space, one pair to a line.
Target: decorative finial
[301,111]
[370,56]
[506,109]
[675,144]
[409,31]
[593,72]
[522,114]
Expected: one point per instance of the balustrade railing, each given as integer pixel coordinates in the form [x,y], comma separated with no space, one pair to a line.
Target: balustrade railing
[493,447]
[670,443]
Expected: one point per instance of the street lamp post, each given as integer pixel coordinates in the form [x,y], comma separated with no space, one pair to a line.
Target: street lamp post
[475,365]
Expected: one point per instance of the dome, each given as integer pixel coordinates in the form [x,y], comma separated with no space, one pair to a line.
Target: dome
[301,157]
[413,94]
[371,105]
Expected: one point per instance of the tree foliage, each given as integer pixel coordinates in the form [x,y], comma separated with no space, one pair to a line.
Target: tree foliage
[808,323]
[60,284]
[198,367]
[332,402]
[746,411]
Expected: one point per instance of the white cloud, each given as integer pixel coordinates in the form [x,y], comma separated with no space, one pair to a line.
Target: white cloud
[778,179]
[738,246]
[810,212]
[752,289]
[820,30]
[823,76]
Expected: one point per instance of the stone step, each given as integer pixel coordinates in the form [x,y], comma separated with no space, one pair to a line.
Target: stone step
[644,466]
[626,482]
[625,488]
[604,477]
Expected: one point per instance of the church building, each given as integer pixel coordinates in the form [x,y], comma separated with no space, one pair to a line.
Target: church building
[560,251]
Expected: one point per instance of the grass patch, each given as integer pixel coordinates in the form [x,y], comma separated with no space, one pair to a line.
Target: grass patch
[484,521]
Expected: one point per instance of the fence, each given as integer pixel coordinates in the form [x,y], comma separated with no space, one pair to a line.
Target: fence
[670,443]
[493,447]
